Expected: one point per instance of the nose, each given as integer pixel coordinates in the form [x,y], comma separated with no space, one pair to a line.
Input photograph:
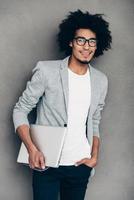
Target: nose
[86,45]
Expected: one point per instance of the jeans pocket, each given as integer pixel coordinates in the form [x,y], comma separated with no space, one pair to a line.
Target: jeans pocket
[88,167]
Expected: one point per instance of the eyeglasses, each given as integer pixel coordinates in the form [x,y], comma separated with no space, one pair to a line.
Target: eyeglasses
[81,41]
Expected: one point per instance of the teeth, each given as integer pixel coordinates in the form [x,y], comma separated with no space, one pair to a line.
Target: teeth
[86,54]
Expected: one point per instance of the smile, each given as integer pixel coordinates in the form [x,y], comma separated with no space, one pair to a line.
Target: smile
[86,54]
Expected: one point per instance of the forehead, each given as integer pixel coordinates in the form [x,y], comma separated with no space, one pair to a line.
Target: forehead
[87,33]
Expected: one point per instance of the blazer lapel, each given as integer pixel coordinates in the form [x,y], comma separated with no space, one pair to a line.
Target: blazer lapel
[94,88]
[64,80]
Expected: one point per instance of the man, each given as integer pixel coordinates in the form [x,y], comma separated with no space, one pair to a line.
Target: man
[73,93]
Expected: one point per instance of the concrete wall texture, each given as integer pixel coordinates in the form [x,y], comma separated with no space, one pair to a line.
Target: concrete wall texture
[27,35]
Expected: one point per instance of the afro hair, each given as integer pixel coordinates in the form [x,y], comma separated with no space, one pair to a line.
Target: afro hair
[78,20]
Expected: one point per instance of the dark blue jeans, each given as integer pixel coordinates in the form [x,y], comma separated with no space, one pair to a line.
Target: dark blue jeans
[70,182]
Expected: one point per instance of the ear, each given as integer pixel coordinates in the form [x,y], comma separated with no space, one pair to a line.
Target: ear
[70,44]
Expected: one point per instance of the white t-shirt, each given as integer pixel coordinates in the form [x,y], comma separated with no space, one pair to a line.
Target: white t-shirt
[76,146]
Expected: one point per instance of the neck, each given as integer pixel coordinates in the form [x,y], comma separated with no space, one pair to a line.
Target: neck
[77,66]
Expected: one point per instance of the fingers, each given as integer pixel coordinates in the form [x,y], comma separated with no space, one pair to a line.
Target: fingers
[87,161]
[82,161]
[42,162]
[37,161]
[31,165]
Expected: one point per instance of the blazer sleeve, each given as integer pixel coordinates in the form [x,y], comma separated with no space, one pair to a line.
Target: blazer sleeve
[30,97]
[97,114]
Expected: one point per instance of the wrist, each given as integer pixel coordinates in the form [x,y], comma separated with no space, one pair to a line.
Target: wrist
[94,157]
[31,148]
[94,160]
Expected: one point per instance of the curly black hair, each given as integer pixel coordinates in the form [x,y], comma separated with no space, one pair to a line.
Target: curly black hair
[77,20]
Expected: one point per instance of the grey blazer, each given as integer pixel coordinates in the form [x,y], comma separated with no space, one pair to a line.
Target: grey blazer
[48,90]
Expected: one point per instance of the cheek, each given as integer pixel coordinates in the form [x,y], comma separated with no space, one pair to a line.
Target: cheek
[76,48]
[75,51]
[95,49]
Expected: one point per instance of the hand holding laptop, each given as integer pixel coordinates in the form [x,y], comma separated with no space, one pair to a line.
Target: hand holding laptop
[36,159]
[46,152]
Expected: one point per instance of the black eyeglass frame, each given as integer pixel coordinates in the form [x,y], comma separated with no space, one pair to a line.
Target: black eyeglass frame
[86,40]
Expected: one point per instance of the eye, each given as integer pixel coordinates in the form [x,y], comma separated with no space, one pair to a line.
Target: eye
[81,39]
[92,41]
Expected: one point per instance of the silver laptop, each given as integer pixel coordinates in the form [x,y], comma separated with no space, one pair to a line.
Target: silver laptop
[49,140]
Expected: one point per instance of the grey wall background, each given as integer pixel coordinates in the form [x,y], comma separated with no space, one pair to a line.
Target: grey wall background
[27,35]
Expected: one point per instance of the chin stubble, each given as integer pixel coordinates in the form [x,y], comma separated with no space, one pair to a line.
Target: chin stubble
[83,61]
